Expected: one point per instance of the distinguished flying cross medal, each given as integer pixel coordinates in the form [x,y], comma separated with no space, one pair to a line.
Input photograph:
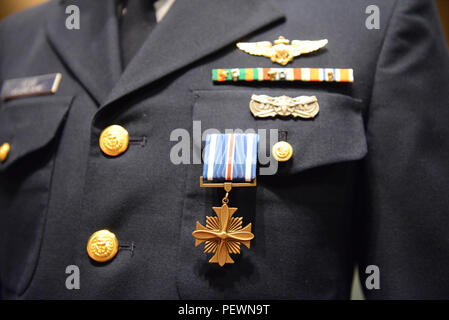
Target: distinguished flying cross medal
[229,161]
[283,51]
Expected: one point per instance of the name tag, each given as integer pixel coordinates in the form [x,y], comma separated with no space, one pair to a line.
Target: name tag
[30,86]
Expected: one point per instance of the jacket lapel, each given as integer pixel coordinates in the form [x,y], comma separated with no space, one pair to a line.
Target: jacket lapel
[192,29]
[92,52]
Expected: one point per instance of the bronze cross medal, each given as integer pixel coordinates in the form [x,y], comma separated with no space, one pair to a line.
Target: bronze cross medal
[223,234]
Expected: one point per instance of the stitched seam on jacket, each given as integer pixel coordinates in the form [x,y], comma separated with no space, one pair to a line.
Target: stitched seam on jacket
[382,47]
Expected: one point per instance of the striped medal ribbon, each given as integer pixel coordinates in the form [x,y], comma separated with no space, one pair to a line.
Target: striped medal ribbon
[284,74]
[230,157]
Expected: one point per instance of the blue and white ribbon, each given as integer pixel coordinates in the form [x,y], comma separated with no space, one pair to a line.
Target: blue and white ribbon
[230,157]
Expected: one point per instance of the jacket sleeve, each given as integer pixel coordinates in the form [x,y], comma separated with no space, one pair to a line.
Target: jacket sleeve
[405,211]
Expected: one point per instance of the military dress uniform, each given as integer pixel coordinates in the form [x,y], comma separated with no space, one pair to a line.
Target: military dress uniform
[367,183]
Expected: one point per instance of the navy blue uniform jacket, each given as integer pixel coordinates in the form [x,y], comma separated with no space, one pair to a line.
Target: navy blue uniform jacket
[368,183]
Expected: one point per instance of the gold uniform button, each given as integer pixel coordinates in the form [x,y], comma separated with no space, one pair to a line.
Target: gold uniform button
[102,246]
[282,151]
[4,150]
[114,140]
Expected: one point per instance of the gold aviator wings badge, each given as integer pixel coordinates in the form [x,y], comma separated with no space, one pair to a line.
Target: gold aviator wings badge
[283,51]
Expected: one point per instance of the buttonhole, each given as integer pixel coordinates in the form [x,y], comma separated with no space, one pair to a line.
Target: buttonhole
[282,135]
[129,246]
[142,141]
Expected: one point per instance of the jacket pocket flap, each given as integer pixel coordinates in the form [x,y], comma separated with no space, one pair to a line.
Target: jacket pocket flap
[336,134]
[30,124]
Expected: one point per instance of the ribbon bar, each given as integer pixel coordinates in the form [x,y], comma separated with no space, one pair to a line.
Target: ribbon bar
[230,157]
[284,74]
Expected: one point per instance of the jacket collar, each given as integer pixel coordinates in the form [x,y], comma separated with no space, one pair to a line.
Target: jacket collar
[92,52]
[191,30]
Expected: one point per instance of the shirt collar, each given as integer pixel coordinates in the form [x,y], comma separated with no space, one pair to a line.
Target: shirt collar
[162,7]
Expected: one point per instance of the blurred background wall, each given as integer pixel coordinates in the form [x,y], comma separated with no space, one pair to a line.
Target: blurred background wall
[10,6]
[443,5]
